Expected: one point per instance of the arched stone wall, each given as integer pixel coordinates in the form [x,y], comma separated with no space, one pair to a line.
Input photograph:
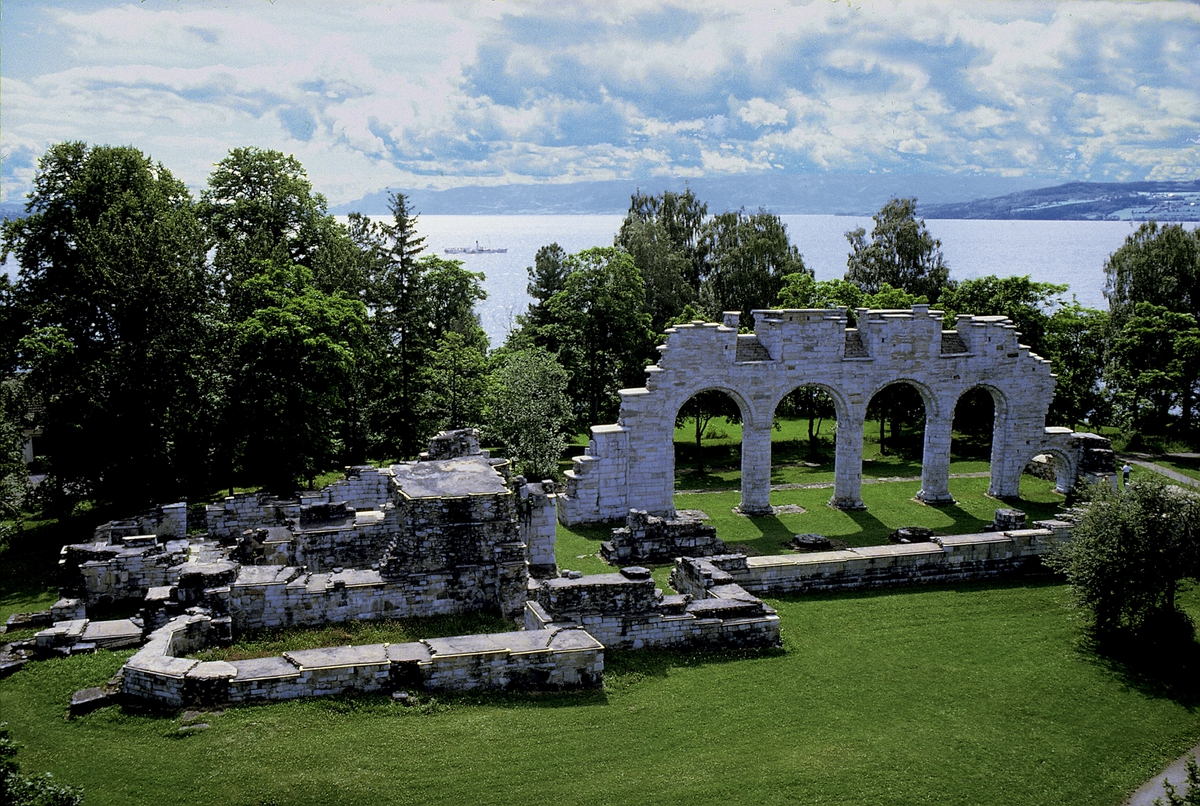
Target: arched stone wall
[632,464]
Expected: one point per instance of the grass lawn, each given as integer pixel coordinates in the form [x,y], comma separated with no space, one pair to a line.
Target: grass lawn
[966,694]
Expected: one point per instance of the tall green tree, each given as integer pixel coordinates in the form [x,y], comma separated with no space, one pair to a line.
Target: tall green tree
[296,352]
[116,306]
[1153,365]
[1072,343]
[455,384]
[599,329]
[900,252]
[398,309]
[528,410]
[260,205]
[662,235]
[744,258]
[1156,264]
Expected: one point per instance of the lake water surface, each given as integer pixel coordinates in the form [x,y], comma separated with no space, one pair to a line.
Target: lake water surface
[1067,252]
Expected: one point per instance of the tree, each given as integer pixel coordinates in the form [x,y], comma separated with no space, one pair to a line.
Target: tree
[1027,303]
[701,408]
[1128,554]
[296,353]
[260,205]
[528,410]
[14,474]
[744,258]
[1153,364]
[451,292]
[599,329]
[398,309]
[1072,335]
[802,291]
[901,252]
[1156,264]
[116,312]
[455,383]
[662,235]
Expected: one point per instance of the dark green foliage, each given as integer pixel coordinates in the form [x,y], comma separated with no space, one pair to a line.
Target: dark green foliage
[296,355]
[1153,365]
[1190,797]
[120,331]
[455,382]
[528,410]
[743,260]
[1128,555]
[901,252]
[700,409]
[599,329]
[17,789]
[1074,335]
[661,233]
[1156,264]
[1027,303]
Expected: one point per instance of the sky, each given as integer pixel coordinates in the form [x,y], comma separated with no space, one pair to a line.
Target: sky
[369,95]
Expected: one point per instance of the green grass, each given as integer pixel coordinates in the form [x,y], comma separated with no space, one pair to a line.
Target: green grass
[889,506]
[271,642]
[967,694]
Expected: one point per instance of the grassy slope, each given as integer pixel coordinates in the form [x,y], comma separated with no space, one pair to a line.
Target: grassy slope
[960,694]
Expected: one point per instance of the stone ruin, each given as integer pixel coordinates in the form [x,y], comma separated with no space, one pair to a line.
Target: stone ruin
[452,532]
[631,464]
[455,532]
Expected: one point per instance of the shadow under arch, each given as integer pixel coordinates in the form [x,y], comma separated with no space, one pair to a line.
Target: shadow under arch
[890,410]
[822,402]
[718,396]
[966,407]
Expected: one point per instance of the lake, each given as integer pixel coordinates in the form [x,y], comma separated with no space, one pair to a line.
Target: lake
[1068,252]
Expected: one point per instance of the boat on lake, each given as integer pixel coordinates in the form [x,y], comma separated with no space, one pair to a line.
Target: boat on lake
[474,250]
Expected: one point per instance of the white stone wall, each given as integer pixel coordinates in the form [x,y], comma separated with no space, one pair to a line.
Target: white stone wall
[631,464]
[549,659]
[947,559]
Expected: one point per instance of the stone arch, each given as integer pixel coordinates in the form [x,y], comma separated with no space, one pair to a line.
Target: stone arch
[752,418]
[630,464]
[1066,470]
[1001,413]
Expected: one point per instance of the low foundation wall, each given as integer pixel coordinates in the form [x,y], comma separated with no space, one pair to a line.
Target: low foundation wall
[625,611]
[948,559]
[546,659]
[278,596]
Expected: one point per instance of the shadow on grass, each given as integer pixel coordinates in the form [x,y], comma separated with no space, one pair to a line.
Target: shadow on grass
[623,668]
[1164,664]
[1029,580]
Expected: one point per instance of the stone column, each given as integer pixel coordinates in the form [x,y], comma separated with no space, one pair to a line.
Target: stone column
[847,463]
[756,468]
[935,466]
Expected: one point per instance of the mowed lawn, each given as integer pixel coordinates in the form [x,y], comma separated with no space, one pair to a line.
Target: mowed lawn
[969,694]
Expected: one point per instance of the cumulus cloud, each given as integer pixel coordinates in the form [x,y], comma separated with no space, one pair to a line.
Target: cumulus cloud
[437,94]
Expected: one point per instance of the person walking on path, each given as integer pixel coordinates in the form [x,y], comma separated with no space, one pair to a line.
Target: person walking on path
[1125,471]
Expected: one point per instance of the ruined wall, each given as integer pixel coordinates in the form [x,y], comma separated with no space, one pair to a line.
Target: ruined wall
[646,538]
[631,464]
[277,596]
[548,659]
[625,611]
[949,558]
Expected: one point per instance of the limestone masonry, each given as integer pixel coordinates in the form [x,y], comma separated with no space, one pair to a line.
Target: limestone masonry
[456,532]
[631,465]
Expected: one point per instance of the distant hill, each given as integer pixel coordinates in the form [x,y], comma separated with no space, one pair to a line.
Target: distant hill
[1084,201]
[805,194]
[11,210]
